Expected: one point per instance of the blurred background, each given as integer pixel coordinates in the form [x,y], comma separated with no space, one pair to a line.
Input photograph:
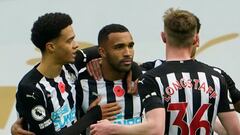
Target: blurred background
[219,35]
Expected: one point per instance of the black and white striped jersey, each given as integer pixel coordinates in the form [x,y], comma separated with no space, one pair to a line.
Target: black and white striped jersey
[234,93]
[191,92]
[150,65]
[49,105]
[111,91]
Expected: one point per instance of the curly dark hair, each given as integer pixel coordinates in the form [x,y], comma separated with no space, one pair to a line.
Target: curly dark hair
[48,27]
[108,29]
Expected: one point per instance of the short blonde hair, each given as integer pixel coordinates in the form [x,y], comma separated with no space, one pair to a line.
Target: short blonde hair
[180,27]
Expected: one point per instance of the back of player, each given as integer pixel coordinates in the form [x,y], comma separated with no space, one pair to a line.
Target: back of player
[192,94]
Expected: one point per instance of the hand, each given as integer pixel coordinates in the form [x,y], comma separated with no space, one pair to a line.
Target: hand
[110,110]
[94,68]
[101,128]
[135,87]
[94,103]
[17,129]
[131,90]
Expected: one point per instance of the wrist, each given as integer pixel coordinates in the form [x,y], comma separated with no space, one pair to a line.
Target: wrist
[115,128]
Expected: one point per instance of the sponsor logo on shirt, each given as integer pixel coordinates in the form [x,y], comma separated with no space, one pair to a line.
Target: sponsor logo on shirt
[63,116]
[120,120]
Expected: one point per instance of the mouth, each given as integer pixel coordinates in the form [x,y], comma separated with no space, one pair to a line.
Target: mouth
[74,54]
[126,61]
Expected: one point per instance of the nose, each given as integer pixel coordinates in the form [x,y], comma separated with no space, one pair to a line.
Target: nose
[75,45]
[128,51]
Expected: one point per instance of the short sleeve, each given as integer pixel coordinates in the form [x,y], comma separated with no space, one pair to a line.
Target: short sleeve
[85,55]
[234,92]
[31,106]
[149,93]
[224,104]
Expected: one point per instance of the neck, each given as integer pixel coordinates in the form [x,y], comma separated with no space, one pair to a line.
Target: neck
[49,68]
[109,73]
[177,54]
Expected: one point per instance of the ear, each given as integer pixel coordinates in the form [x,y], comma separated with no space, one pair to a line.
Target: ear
[163,36]
[50,47]
[101,51]
[196,40]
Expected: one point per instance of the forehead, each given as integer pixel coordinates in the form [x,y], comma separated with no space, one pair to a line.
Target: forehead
[67,32]
[120,37]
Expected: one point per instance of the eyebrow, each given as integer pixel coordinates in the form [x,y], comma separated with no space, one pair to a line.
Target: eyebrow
[71,38]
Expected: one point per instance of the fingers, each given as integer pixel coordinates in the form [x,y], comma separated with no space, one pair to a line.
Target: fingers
[130,89]
[23,132]
[135,87]
[97,67]
[129,82]
[111,114]
[110,110]
[17,129]
[101,128]
[90,68]
[94,103]
[111,118]
[111,106]
[94,68]
[92,129]
[19,122]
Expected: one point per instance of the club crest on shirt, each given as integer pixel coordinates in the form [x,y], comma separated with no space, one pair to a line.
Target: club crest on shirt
[118,91]
[71,77]
[38,113]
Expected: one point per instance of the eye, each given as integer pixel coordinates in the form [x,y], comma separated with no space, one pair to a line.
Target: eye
[131,45]
[70,40]
[118,46]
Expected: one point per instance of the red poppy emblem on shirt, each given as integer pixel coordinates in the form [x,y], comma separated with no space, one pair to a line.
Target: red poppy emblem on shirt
[118,91]
[61,87]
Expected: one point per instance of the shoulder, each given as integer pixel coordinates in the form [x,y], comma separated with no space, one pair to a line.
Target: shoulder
[151,64]
[84,74]
[30,78]
[28,83]
[149,76]
[210,69]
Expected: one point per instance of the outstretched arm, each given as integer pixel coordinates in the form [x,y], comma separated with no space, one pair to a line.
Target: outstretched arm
[150,126]
[230,122]
[218,128]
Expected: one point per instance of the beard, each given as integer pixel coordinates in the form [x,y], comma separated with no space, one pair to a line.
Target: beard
[118,65]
